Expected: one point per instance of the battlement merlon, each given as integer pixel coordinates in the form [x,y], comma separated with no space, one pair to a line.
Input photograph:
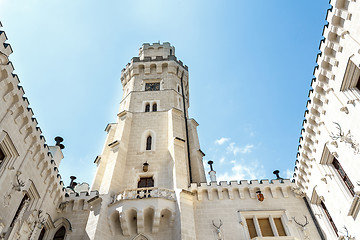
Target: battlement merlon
[155,50]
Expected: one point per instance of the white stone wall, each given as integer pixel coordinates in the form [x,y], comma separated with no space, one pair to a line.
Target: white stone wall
[334,99]
[29,167]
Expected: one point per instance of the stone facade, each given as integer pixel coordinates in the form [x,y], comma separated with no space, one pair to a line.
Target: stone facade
[328,164]
[150,181]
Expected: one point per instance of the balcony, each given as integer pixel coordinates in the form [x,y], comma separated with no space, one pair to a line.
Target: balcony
[141,193]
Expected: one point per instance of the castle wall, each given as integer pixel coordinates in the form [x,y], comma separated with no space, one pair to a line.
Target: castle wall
[330,134]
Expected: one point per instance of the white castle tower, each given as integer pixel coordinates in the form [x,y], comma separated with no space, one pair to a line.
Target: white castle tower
[151,153]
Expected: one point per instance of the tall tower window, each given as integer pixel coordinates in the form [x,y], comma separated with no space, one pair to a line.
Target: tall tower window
[344,176]
[147,107]
[148,143]
[152,86]
[154,107]
[145,182]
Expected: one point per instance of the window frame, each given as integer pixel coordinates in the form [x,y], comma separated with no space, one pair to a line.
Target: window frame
[327,159]
[9,150]
[350,85]
[270,215]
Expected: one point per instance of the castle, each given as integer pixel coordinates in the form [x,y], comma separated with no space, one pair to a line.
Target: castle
[150,181]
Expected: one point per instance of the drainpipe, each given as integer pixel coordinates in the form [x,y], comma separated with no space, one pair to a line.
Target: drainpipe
[314,219]
[186,126]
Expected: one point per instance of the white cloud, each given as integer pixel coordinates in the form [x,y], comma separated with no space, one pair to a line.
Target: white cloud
[235,149]
[222,140]
[288,174]
[222,160]
[241,171]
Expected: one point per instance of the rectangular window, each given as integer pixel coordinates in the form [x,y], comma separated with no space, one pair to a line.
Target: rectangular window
[265,227]
[152,86]
[264,224]
[343,176]
[251,227]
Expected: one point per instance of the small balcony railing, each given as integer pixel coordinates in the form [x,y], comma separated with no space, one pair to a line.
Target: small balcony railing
[153,192]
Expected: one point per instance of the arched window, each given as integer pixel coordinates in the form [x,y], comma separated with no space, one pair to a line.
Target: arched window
[60,234]
[147,107]
[148,143]
[42,234]
[154,107]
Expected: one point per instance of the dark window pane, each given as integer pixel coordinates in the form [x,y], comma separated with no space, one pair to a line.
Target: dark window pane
[42,234]
[147,108]
[358,84]
[344,176]
[146,182]
[60,234]
[154,107]
[329,217]
[2,156]
[148,143]
[152,86]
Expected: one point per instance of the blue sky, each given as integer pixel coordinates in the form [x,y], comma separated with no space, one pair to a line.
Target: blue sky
[250,66]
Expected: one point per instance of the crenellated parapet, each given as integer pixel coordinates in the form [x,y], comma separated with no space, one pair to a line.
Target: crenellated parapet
[80,201]
[154,59]
[242,190]
[323,86]
[18,125]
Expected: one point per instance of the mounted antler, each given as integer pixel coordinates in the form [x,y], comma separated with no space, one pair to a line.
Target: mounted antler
[339,135]
[217,227]
[301,224]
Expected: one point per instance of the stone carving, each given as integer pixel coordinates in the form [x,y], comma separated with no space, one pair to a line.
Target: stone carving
[346,138]
[303,227]
[218,232]
[63,205]
[298,192]
[17,185]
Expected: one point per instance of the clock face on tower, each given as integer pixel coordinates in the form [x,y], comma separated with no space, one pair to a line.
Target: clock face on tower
[152,86]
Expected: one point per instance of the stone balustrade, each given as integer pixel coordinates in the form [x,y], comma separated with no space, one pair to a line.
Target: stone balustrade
[141,193]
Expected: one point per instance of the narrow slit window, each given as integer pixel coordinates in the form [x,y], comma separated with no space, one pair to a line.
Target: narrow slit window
[148,143]
[42,234]
[154,107]
[329,217]
[358,84]
[147,107]
[344,176]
